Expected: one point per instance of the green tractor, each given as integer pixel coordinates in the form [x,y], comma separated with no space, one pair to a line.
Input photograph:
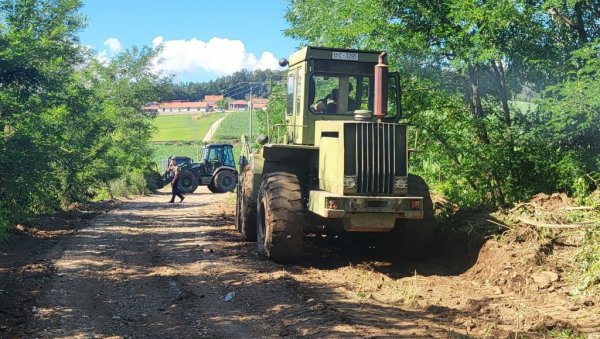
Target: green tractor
[342,165]
[216,170]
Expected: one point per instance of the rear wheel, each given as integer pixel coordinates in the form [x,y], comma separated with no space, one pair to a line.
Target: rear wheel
[279,213]
[414,238]
[245,218]
[224,181]
[212,188]
[187,182]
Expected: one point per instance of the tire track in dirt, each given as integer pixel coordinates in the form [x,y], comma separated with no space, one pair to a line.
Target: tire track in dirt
[152,269]
[149,268]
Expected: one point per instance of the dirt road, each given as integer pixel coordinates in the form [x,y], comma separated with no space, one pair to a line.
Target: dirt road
[150,269]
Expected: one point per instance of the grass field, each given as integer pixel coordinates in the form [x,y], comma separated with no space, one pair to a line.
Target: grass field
[183,127]
[236,124]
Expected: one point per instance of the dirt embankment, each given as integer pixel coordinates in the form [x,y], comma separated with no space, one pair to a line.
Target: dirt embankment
[149,269]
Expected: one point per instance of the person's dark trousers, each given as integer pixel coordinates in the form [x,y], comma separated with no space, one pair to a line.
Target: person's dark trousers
[175,191]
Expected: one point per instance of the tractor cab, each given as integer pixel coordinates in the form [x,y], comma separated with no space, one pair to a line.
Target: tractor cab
[334,85]
[217,155]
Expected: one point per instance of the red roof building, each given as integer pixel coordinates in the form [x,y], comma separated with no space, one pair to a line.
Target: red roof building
[178,106]
[212,99]
[260,103]
[238,105]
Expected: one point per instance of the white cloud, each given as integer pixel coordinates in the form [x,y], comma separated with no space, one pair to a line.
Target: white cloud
[114,45]
[218,56]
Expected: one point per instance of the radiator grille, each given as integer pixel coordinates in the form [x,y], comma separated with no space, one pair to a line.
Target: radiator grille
[379,152]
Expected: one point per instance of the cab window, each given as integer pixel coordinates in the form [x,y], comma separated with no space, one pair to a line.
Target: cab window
[339,94]
[228,157]
[343,94]
[298,89]
[290,95]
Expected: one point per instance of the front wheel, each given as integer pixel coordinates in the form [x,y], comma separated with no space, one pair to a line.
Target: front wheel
[187,182]
[279,213]
[414,238]
[245,217]
[224,181]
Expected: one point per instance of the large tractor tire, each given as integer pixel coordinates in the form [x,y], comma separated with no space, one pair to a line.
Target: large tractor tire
[414,239]
[187,182]
[212,188]
[224,181]
[279,216]
[245,212]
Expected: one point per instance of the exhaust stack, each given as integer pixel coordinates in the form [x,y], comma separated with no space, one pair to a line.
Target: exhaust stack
[381,88]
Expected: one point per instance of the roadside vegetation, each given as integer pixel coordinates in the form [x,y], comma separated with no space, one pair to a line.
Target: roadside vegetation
[71,127]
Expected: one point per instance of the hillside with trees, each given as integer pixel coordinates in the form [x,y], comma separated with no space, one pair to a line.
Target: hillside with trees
[234,86]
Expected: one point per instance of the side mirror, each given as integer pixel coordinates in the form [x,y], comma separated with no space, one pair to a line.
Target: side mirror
[242,162]
[262,139]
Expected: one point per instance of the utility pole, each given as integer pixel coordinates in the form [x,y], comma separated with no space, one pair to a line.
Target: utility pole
[250,113]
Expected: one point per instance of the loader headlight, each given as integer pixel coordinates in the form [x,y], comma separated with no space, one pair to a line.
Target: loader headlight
[350,182]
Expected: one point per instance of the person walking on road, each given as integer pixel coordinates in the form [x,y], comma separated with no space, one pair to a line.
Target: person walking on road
[174,170]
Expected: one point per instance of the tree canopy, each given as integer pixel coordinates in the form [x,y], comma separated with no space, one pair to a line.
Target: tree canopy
[466,67]
[69,125]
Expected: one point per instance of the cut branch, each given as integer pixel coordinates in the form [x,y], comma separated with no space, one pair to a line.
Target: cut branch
[556,226]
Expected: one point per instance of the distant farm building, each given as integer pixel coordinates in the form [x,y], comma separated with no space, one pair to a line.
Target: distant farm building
[259,103]
[209,104]
[212,100]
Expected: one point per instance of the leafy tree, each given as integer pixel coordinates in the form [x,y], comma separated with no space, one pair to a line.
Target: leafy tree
[274,114]
[69,125]
[38,51]
[461,62]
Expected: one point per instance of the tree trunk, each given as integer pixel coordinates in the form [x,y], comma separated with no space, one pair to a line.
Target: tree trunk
[500,78]
[580,26]
[475,104]
[478,115]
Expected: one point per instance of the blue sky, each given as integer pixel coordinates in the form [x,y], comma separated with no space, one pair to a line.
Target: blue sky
[202,40]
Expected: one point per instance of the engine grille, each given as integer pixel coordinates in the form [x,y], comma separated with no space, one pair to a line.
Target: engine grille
[375,154]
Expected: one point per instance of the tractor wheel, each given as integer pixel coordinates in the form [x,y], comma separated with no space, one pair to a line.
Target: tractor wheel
[212,188]
[279,216]
[245,216]
[187,182]
[224,181]
[414,238]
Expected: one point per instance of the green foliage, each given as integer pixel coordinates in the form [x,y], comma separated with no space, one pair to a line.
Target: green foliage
[69,125]
[572,112]
[185,127]
[134,183]
[461,62]
[588,257]
[274,115]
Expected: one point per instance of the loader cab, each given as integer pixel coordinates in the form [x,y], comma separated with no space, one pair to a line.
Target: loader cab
[332,84]
[217,155]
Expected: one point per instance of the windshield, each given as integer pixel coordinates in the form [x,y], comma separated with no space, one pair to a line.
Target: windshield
[343,94]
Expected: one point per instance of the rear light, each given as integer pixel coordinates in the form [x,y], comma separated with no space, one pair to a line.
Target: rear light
[332,204]
[415,204]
